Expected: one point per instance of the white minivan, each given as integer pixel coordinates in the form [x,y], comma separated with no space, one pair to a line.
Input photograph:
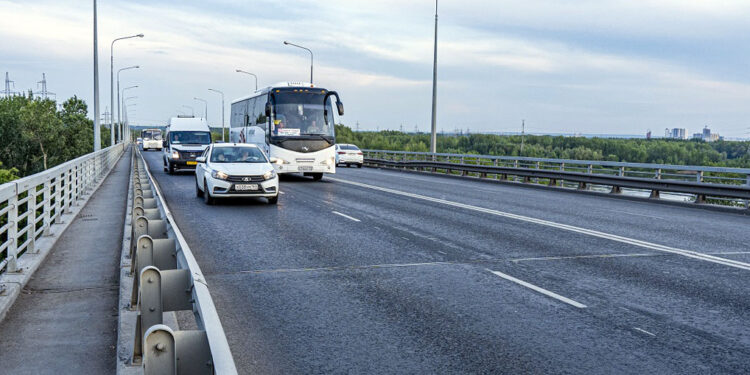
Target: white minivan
[186,138]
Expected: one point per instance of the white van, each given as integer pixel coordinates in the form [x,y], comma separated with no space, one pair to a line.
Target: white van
[186,138]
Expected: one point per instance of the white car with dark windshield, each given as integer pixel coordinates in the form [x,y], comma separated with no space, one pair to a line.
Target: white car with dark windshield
[235,170]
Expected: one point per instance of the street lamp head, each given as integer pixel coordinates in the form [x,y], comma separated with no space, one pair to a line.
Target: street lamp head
[140,35]
[285,42]
[238,70]
[137,66]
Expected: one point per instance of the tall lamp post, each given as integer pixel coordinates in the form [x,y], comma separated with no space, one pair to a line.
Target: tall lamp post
[222,109]
[119,104]
[192,112]
[205,110]
[433,136]
[97,124]
[112,76]
[256,77]
[122,102]
[311,58]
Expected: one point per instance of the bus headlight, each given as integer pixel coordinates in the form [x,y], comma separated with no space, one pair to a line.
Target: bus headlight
[175,155]
[219,175]
[330,161]
[269,175]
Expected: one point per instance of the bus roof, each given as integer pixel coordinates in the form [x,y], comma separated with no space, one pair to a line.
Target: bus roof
[278,85]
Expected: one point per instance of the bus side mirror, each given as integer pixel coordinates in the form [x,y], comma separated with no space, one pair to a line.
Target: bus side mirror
[340,107]
[268,109]
[247,119]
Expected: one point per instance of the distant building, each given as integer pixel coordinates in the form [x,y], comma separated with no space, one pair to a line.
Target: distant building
[707,136]
[678,133]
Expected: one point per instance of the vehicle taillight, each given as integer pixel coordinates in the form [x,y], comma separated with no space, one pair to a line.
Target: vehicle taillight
[342,153]
[359,153]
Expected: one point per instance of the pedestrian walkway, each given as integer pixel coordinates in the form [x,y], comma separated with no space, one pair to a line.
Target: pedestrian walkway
[65,320]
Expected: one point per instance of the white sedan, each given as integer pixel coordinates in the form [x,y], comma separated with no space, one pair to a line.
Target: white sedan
[349,154]
[235,170]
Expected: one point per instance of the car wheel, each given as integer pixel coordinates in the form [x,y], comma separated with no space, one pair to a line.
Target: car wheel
[317,176]
[207,198]
[171,168]
[359,165]
[198,191]
[273,200]
[164,165]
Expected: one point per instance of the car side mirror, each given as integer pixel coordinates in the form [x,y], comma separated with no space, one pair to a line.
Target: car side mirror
[164,143]
[268,109]
[201,159]
[273,160]
[340,107]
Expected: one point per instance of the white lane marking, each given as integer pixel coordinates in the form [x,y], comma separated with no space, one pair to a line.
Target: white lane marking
[540,290]
[281,192]
[571,228]
[644,331]
[637,214]
[346,216]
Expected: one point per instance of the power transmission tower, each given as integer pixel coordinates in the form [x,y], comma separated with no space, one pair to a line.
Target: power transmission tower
[8,82]
[357,128]
[43,93]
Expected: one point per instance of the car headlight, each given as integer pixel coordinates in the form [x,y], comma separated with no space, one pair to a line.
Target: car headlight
[175,155]
[269,175]
[219,175]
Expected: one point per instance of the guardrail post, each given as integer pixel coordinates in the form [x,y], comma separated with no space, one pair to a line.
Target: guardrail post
[658,174]
[159,351]
[699,176]
[12,249]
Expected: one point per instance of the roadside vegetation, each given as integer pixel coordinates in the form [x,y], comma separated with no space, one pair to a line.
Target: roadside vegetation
[660,151]
[37,134]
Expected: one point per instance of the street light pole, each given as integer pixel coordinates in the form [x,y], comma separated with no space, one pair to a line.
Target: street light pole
[119,104]
[97,129]
[205,110]
[433,136]
[311,57]
[256,77]
[112,78]
[222,110]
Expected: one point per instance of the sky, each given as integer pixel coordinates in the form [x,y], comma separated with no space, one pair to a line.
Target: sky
[576,66]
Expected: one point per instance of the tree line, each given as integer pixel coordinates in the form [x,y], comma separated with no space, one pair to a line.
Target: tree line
[660,151]
[36,134]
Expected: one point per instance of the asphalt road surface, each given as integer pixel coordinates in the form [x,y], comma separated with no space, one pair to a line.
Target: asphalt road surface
[392,272]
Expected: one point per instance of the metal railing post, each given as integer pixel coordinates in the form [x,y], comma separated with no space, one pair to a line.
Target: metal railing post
[12,249]
[47,207]
[31,219]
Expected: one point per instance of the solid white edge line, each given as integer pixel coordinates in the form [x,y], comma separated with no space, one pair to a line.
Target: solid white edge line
[571,228]
[540,290]
[346,216]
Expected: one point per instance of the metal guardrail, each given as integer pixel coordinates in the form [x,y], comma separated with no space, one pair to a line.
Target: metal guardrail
[31,205]
[699,181]
[166,277]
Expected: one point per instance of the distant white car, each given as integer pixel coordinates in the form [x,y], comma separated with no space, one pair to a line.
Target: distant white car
[235,170]
[349,154]
[139,141]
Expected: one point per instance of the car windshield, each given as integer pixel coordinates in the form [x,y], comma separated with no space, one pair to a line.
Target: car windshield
[237,155]
[190,137]
[302,113]
[152,134]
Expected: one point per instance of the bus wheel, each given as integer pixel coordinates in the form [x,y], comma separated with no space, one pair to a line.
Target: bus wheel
[317,176]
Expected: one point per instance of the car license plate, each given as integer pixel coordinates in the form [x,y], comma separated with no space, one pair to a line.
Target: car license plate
[192,163]
[305,168]
[245,187]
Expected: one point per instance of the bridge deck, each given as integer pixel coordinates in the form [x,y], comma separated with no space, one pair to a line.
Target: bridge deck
[65,320]
[359,278]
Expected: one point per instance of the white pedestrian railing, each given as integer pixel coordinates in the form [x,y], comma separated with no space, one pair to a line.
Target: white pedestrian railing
[31,205]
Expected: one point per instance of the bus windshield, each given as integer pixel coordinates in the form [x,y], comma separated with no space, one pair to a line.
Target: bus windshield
[151,135]
[190,137]
[301,114]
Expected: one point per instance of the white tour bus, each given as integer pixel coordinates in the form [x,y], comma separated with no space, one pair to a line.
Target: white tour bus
[293,123]
[151,139]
